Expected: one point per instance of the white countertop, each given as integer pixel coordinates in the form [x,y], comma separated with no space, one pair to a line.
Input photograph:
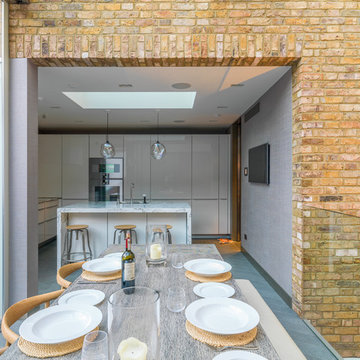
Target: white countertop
[113,207]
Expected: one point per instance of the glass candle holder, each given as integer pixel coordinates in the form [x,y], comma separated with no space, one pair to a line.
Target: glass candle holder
[156,244]
[134,324]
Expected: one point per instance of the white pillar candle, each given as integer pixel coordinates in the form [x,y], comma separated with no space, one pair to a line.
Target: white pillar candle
[132,349]
[155,251]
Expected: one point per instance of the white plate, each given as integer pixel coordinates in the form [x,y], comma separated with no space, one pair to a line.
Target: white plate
[116,255]
[207,267]
[238,355]
[103,266]
[61,323]
[82,297]
[222,316]
[213,289]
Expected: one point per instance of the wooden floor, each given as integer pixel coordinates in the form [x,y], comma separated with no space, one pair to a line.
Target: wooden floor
[228,247]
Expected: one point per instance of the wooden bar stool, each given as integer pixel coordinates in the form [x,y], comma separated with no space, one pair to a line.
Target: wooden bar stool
[122,230]
[85,254]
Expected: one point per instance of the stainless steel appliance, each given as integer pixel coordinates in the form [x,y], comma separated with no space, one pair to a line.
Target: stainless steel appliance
[106,181]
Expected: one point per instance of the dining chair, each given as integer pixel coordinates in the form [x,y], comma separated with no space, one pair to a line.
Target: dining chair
[65,271]
[19,309]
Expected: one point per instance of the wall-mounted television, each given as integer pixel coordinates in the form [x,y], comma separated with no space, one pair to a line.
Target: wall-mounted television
[259,164]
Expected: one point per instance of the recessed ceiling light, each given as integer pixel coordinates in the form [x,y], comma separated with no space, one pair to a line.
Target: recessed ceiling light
[55,107]
[40,98]
[125,85]
[133,100]
[181,86]
[237,85]
[179,121]
[222,107]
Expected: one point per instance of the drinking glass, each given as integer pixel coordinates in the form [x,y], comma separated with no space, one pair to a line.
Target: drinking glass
[176,299]
[177,260]
[95,346]
[134,324]
[156,244]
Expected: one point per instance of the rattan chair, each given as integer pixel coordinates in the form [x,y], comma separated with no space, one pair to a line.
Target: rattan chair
[65,271]
[16,311]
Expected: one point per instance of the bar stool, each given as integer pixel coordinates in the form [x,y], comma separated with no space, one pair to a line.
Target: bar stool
[84,255]
[122,230]
[168,228]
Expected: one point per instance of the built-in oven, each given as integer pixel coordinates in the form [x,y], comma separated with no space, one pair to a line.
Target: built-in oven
[106,179]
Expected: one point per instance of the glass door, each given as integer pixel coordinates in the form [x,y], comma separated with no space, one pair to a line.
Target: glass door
[4,221]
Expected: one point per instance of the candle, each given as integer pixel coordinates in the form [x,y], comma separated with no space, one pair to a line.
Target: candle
[155,251]
[132,349]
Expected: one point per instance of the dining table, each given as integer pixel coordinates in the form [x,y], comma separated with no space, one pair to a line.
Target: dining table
[175,342]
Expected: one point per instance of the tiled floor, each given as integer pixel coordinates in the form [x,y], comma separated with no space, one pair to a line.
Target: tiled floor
[310,345]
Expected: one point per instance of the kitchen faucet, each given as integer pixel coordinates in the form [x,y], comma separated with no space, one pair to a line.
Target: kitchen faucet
[132,187]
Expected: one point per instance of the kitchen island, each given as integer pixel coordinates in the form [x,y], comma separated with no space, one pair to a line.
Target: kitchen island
[101,217]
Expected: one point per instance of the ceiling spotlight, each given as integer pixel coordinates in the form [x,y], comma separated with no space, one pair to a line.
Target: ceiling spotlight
[237,85]
[125,85]
[40,98]
[181,86]
[222,107]
[179,121]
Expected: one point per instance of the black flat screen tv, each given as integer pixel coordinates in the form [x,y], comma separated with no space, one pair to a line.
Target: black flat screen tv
[259,164]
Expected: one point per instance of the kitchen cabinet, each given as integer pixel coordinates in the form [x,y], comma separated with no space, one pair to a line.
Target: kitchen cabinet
[205,166]
[75,172]
[47,219]
[97,140]
[137,165]
[171,176]
[49,166]
[205,214]
[224,166]
[223,217]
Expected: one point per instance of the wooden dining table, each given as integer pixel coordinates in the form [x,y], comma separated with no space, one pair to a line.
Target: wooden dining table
[175,342]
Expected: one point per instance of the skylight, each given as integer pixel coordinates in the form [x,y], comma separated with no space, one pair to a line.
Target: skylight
[133,100]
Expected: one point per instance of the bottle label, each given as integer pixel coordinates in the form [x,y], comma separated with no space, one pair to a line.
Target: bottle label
[129,271]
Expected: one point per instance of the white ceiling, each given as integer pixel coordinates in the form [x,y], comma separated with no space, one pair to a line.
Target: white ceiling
[212,84]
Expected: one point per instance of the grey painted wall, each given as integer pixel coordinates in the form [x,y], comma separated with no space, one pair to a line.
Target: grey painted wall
[23,202]
[266,209]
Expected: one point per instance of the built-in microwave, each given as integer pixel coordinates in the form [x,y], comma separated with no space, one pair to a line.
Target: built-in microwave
[106,179]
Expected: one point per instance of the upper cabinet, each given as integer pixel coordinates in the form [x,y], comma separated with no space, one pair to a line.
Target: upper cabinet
[171,176]
[75,174]
[137,165]
[205,166]
[97,140]
[49,166]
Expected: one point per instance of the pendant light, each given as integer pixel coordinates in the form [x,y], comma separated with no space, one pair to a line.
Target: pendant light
[107,150]
[158,150]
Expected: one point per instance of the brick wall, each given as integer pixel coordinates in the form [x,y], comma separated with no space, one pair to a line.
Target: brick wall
[319,38]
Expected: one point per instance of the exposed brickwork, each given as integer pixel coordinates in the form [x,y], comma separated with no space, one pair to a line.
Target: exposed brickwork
[331,277]
[321,39]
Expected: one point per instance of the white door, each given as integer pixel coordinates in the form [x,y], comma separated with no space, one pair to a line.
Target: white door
[75,174]
[137,165]
[205,166]
[171,176]
[49,166]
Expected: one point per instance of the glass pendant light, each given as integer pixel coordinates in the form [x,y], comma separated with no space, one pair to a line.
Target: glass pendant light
[158,150]
[107,150]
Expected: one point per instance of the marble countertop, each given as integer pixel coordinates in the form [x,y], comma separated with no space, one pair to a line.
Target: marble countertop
[113,207]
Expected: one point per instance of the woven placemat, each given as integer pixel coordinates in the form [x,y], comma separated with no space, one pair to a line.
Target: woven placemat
[93,277]
[220,278]
[220,340]
[43,351]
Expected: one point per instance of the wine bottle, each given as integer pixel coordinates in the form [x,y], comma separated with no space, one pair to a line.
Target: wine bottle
[128,266]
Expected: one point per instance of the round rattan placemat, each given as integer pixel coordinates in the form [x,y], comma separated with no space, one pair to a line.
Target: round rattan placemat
[43,351]
[220,340]
[93,277]
[220,278]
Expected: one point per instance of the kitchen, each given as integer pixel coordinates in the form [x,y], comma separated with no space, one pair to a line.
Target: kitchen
[189,111]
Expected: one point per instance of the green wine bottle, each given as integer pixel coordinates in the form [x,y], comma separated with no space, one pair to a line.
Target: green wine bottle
[128,266]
